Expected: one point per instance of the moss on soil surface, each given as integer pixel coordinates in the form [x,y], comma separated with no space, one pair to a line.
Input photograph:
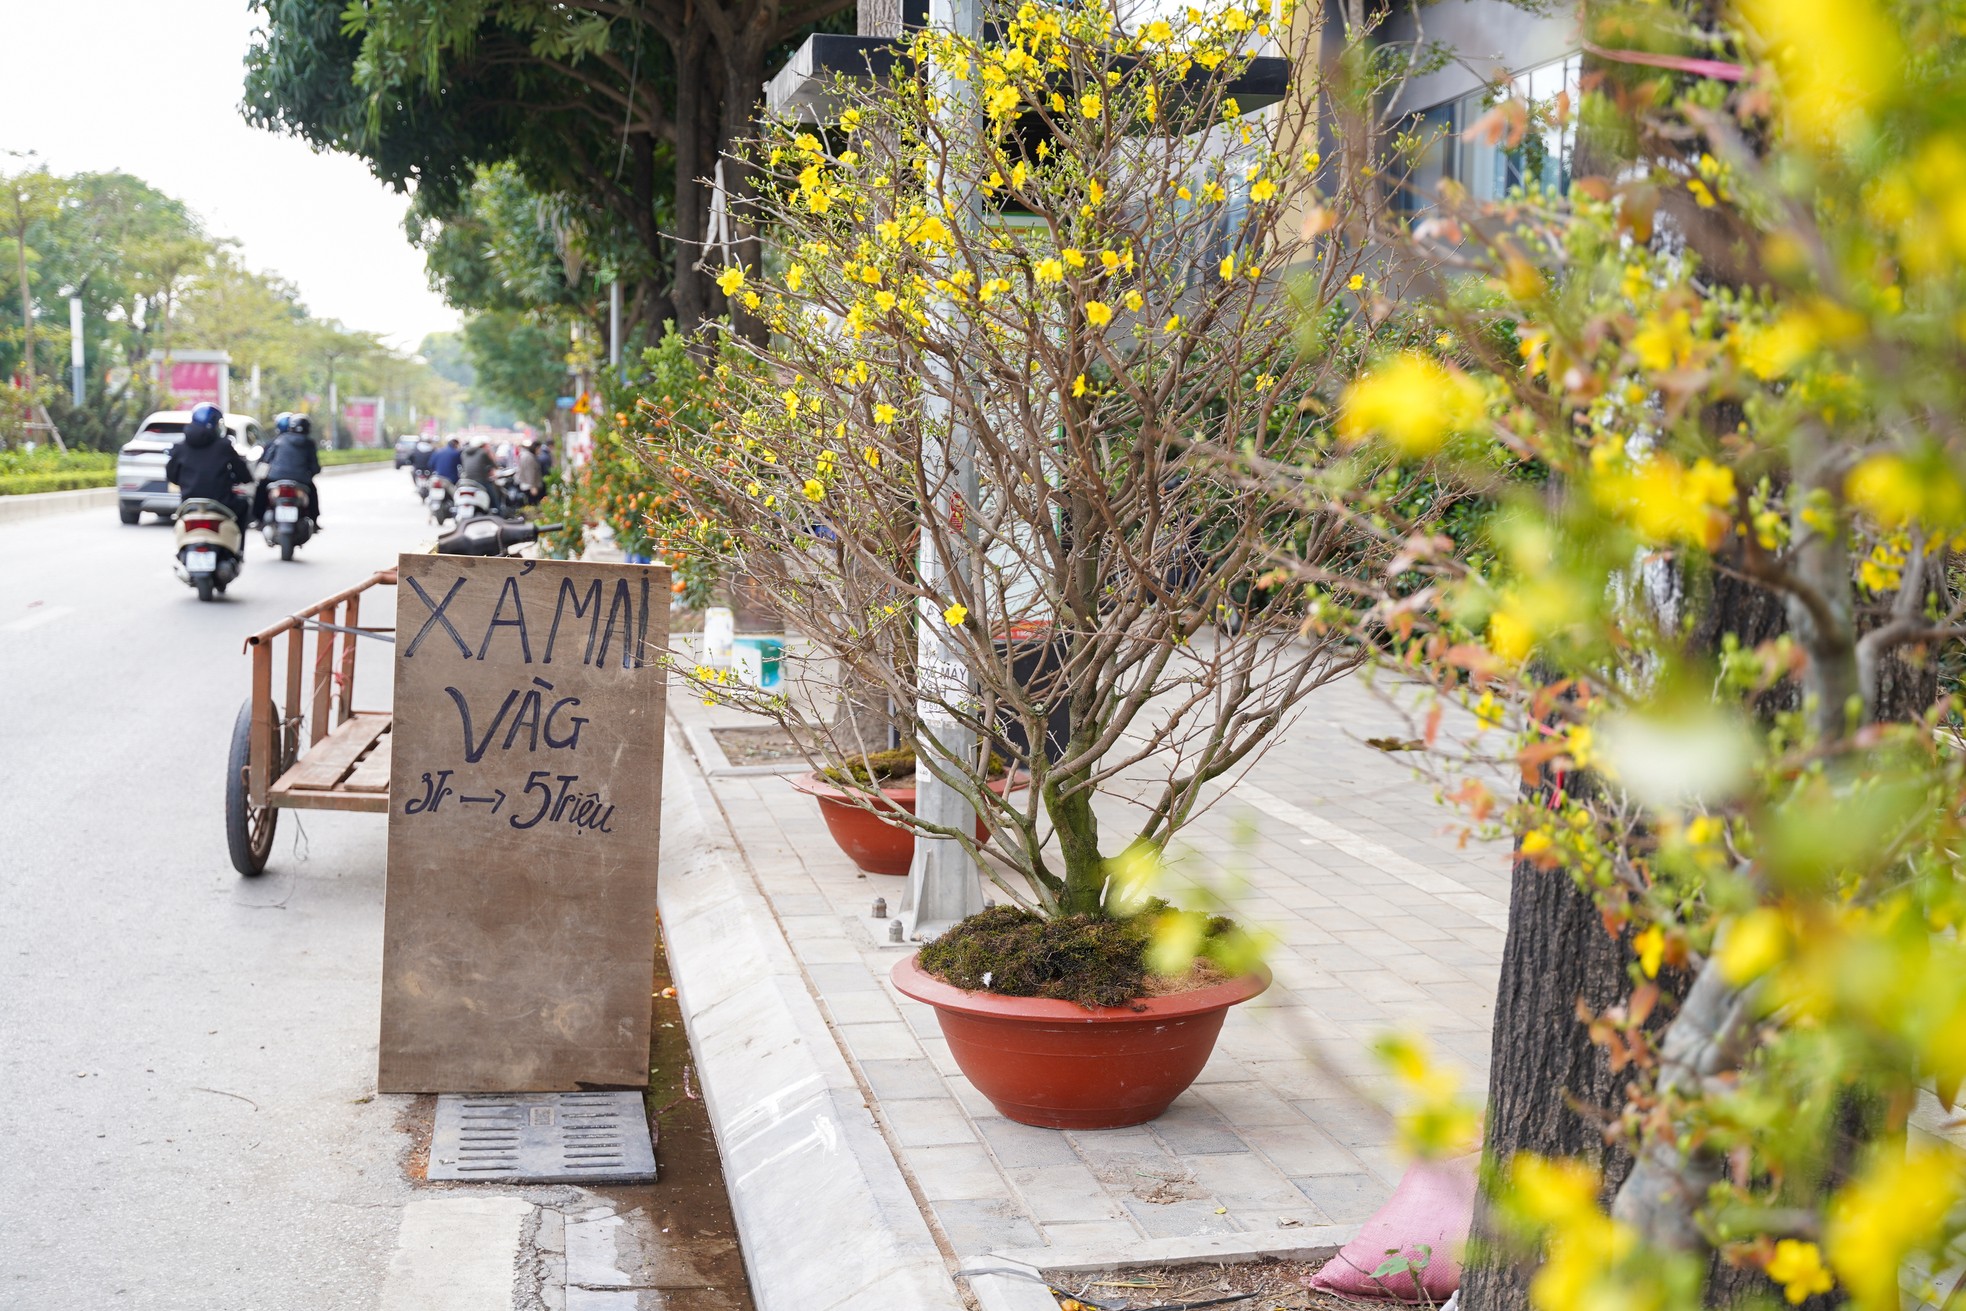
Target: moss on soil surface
[1086,959]
[887,767]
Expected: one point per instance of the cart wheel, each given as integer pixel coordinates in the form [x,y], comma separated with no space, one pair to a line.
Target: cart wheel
[248,829]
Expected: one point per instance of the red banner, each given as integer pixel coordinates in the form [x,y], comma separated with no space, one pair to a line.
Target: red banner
[192,381]
[363,420]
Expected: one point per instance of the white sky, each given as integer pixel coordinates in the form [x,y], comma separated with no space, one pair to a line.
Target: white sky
[152,87]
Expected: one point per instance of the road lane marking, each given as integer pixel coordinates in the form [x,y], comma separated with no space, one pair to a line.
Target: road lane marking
[42,615]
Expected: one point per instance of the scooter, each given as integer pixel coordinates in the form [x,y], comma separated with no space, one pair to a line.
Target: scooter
[210,546]
[488,534]
[474,498]
[437,499]
[287,522]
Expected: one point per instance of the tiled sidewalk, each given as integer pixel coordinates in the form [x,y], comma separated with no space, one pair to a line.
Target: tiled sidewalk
[1384,922]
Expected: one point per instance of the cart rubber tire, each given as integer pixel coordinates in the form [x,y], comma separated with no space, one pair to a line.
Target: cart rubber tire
[248,831]
[203,582]
[128,513]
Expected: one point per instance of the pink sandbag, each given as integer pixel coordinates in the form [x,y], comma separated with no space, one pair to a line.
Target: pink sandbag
[1434,1205]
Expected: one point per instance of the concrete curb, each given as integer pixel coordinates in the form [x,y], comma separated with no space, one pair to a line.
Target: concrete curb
[825,1217]
[36,505]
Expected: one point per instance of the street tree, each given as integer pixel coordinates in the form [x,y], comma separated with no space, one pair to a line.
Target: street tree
[1076,281]
[1722,369]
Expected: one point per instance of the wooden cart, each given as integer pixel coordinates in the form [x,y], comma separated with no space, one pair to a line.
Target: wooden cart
[308,749]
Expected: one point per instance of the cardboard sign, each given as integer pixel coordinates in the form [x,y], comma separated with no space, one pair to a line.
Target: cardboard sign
[525,796]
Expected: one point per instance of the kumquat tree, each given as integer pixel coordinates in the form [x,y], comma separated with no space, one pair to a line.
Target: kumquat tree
[1009,299]
[1713,398]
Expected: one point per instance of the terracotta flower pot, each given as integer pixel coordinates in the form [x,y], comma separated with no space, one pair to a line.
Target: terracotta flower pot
[876,845]
[1059,1065]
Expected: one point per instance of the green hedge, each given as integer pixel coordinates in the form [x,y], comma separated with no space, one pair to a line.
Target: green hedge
[21,484]
[364,456]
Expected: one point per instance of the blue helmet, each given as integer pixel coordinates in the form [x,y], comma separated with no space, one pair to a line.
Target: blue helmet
[206,426]
[282,421]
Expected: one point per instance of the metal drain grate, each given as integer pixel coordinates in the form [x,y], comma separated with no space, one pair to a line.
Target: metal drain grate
[542,1137]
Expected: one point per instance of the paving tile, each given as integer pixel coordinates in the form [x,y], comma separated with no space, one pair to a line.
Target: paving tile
[1348,1120]
[1243,1181]
[955,1171]
[927,1122]
[830,979]
[1249,1105]
[978,1226]
[826,951]
[860,1008]
[889,1040]
[902,1079]
[1181,1219]
[1192,1127]
[1346,1198]
[1298,1149]
[1017,1146]
[1058,1193]
[1092,1233]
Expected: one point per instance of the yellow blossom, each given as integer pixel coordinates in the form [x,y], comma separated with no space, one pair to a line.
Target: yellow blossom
[1172,325]
[1049,270]
[884,300]
[872,456]
[1412,401]
[1262,189]
[1752,945]
[815,490]
[1798,1267]
[1650,944]
[1134,301]
[1228,267]
[884,413]
[731,280]
[1089,104]
[955,614]
[1357,283]
[1098,313]
[1078,385]
[1897,1207]
[795,277]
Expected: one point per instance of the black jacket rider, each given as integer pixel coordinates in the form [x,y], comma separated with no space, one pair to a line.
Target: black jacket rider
[204,464]
[292,457]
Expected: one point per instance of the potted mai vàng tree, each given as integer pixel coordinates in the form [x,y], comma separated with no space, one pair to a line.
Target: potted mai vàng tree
[1092,269]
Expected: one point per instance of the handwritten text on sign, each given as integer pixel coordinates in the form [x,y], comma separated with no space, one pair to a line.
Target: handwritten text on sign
[524,806]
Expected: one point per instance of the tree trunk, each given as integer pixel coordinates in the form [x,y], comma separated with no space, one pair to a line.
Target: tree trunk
[1543,1062]
[695,109]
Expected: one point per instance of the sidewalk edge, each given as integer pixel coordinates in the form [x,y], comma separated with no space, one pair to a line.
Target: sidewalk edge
[824,1215]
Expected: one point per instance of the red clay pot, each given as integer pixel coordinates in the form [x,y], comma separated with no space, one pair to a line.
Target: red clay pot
[1059,1065]
[876,845]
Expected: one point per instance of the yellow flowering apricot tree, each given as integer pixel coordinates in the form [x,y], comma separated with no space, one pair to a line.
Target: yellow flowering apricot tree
[1714,396]
[1011,297]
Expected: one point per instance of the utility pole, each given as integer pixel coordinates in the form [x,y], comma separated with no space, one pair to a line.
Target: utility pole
[614,325]
[77,361]
[944,884]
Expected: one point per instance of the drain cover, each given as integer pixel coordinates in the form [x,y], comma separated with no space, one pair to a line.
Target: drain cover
[542,1137]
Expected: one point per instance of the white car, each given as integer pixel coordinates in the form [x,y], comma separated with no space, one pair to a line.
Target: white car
[140,483]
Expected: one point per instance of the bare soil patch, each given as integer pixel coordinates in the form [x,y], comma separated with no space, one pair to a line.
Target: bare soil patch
[1268,1284]
[767,744]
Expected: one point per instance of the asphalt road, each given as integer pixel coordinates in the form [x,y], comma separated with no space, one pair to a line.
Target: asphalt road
[187,1057]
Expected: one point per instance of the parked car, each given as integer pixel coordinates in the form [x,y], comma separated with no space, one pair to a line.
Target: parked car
[405,448]
[140,464]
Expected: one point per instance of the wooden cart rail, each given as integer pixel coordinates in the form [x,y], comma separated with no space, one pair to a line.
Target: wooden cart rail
[344,765]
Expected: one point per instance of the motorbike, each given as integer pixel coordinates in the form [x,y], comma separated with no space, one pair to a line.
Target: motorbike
[210,546]
[489,534]
[287,522]
[420,479]
[473,499]
[437,499]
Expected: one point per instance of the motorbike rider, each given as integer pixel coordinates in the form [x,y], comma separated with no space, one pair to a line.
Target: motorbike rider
[446,460]
[478,464]
[531,482]
[204,463]
[291,458]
